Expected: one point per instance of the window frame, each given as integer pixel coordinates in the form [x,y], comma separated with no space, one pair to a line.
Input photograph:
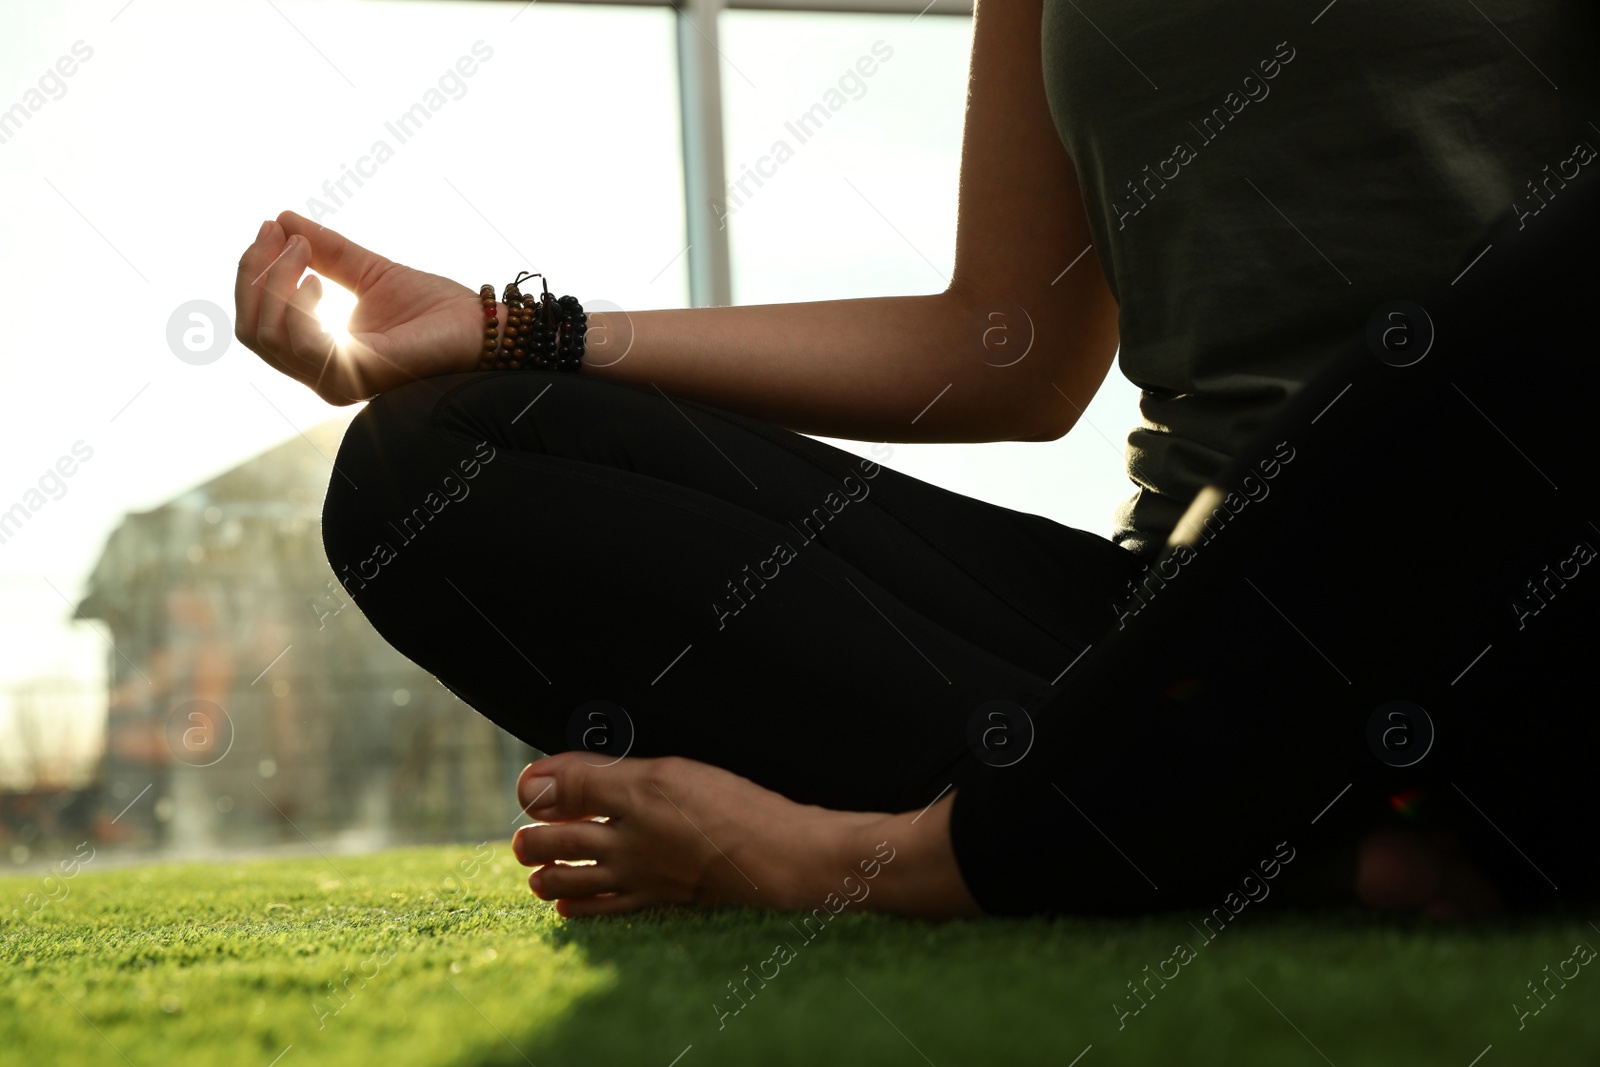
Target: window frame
[700,116]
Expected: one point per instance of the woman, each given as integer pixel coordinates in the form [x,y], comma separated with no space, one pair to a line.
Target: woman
[791,678]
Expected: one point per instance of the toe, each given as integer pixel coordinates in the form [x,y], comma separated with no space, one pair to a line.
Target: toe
[583,840]
[610,904]
[564,786]
[536,787]
[559,881]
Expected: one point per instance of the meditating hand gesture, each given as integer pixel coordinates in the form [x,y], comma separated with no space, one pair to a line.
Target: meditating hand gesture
[407,324]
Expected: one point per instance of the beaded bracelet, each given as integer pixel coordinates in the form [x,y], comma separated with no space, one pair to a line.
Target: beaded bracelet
[542,333]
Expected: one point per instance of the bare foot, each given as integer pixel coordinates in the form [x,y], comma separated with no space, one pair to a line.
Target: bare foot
[676,831]
[1401,870]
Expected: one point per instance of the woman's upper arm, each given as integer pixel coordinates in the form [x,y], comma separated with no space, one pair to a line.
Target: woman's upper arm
[1021,220]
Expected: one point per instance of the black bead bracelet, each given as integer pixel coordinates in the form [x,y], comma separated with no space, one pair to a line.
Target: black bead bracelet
[541,332]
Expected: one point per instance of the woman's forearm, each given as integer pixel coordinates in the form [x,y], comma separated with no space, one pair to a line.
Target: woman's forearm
[901,368]
[1012,350]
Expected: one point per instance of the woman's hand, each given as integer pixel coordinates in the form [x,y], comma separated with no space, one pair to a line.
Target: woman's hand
[406,324]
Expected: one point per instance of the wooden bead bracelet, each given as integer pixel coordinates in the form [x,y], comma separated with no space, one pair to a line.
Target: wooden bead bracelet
[541,333]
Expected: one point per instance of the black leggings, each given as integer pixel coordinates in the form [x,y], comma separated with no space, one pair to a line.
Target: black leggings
[603,566]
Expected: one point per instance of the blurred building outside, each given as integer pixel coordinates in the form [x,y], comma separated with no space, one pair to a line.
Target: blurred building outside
[249,703]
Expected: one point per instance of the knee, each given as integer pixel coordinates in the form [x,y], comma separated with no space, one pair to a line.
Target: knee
[383,449]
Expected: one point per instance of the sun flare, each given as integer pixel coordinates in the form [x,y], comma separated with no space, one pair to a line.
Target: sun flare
[334,310]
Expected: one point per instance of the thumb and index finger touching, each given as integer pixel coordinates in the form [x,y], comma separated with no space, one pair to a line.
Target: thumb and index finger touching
[274,312]
[333,255]
[261,292]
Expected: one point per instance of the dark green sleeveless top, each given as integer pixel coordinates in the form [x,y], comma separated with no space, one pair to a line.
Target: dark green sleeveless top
[1259,177]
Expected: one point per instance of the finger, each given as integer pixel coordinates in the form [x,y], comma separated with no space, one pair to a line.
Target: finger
[280,282]
[581,840]
[557,882]
[334,255]
[568,786]
[253,264]
[610,904]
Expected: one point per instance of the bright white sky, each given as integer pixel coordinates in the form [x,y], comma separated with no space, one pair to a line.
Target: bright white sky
[136,190]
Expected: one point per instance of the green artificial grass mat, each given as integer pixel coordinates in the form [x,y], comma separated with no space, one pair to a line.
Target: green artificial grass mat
[441,956]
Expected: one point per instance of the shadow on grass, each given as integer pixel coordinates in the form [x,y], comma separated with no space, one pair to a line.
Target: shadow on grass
[1298,987]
